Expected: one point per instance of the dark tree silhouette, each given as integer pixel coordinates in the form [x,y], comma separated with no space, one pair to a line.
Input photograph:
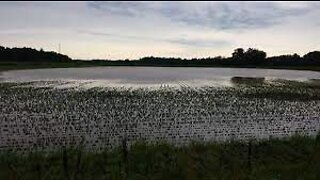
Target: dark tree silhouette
[240,57]
[312,57]
[292,60]
[249,57]
[238,54]
[30,55]
[254,56]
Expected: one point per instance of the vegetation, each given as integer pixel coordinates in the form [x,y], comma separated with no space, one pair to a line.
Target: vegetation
[297,157]
[30,55]
[294,158]
[51,114]
[242,58]
[15,58]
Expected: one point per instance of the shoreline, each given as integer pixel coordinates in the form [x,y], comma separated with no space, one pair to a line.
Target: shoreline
[67,65]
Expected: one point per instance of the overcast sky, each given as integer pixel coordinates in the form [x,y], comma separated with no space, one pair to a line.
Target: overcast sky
[115,30]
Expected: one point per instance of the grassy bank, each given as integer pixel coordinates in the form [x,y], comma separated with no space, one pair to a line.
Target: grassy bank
[294,158]
[17,66]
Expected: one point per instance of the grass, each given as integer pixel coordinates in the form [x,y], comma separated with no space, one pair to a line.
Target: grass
[297,157]
[29,65]
[17,66]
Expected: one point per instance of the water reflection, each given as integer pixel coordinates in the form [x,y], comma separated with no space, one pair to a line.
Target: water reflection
[236,80]
[156,76]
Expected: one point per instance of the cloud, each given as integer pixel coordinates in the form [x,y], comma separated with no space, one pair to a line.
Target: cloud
[118,36]
[217,15]
[125,8]
[239,15]
[200,42]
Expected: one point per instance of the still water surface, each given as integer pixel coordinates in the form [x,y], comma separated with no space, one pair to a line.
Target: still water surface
[151,76]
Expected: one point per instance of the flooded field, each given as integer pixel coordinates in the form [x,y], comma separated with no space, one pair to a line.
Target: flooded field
[36,113]
[150,76]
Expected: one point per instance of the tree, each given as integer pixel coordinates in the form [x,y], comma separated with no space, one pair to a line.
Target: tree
[312,57]
[238,54]
[30,55]
[249,57]
[255,56]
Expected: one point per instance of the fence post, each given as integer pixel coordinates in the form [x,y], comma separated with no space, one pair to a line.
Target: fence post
[249,155]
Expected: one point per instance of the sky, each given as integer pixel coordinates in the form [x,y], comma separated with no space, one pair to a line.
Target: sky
[133,29]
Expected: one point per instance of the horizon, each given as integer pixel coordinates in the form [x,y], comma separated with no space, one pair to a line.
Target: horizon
[164,57]
[132,30]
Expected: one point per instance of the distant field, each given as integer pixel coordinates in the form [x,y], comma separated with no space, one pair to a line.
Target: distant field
[12,66]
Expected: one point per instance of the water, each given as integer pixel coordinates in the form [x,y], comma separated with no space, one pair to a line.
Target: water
[44,118]
[150,76]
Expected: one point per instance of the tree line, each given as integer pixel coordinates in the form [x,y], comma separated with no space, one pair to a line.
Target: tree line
[240,57]
[30,55]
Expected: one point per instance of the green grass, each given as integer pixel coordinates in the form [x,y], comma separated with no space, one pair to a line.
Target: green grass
[294,158]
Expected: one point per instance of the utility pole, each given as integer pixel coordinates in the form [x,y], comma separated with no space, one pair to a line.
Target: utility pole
[59,48]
